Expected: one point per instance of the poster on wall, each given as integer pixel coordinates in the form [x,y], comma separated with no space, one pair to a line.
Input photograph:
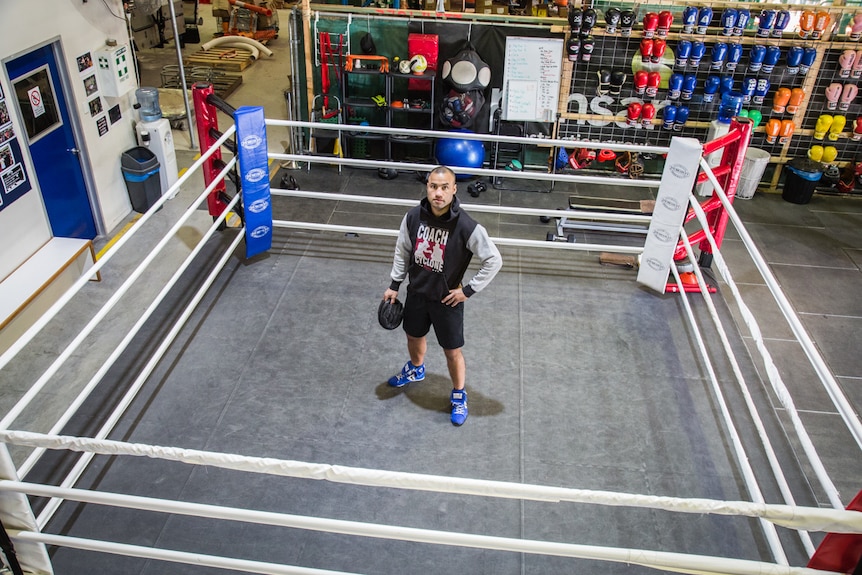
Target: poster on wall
[14,182]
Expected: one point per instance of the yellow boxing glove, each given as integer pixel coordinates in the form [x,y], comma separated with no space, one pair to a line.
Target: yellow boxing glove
[815,152]
[829,154]
[837,127]
[822,126]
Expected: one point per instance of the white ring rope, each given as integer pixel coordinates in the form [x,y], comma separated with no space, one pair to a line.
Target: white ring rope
[774,377]
[810,518]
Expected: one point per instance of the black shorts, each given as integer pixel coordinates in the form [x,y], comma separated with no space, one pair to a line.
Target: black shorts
[420,313]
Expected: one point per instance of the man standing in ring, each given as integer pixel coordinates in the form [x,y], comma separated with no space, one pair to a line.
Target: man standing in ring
[435,244]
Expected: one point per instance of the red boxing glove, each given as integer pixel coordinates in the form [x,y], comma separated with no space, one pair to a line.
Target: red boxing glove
[650,24]
[653,80]
[646,50]
[634,114]
[773,128]
[857,130]
[779,102]
[665,21]
[658,48]
[787,127]
[640,82]
[647,115]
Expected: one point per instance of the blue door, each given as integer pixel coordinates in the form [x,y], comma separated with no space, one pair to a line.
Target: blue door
[51,139]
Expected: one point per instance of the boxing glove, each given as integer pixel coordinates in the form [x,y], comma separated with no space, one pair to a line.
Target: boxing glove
[755,57]
[650,24]
[674,86]
[767,21]
[627,22]
[845,63]
[734,54]
[760,91]
[618,78]
[821,22]
[824,122]
[725,85]
[633,115]
[588,44]
[728,21]
[665,21]
[857,129]
[838,123]
[689,19]
[576,18]
[794,57]
[719,54]
[833,93]
[748,86]
[848,94]
[755,116]
[710,87]
[668,114]
[796,97]
[646,50]
[648,115]
[829,154]
[604,82]
[780,99]
[612,20]
[787,128]
[704,17]
[688,86]
[806,24]
[653,81]
[773,54]
[640,82]
[857,66]
[589,21]
[658,48]
[815,152]
[809,55]
[698,49]
[743,15]
[573,48]
[782,19]
[681,118]
[773,128]
[856,28]
[683,51]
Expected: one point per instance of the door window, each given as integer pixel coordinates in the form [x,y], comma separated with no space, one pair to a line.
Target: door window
[37,103]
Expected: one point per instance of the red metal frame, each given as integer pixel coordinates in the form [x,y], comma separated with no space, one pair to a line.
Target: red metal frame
[206,117]
[728,172]
[840,552]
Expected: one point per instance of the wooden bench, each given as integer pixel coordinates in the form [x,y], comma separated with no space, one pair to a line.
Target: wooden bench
[39,282]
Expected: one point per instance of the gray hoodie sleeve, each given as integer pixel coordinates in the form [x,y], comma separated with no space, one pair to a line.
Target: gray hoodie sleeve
[401,260]
[489,256]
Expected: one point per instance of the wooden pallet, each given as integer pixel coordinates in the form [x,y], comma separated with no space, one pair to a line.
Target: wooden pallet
[231,59]
[224,83]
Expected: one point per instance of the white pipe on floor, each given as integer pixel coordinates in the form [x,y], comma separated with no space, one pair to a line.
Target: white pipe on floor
[235,41]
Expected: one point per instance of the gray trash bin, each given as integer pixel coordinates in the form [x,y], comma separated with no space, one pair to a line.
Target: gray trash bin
[141,172]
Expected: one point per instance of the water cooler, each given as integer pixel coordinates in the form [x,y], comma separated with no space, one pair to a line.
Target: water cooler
[154,132]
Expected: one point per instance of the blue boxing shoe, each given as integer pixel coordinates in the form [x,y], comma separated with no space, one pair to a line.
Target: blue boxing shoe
[459,406]
[409,373]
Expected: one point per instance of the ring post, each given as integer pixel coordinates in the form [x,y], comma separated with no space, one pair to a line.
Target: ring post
[254,175]
[205,118]
[17,515]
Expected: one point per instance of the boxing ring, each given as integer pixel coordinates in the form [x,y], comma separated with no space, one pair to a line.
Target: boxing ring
[667,264]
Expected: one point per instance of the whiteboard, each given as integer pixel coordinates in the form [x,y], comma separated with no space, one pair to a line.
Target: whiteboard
[531,79]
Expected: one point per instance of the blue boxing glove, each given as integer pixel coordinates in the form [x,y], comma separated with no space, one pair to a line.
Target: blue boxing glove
[681,118]
[710,87]
[755,57]
[767,21]
[683,51]
[726,85]
[688,85]
[734,54]
[748,86]
[782,19]
[674,86]
[773,54]
[809,55]
[704,17]
[794,59]
[760,91]
[689,19]
[668,114]
[743,15]
[698,49]
[728,21]
[719,54]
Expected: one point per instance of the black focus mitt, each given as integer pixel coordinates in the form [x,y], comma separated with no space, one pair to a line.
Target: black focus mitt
[389,314]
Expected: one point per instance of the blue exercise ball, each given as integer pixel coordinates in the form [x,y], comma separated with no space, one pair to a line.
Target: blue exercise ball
[460,153]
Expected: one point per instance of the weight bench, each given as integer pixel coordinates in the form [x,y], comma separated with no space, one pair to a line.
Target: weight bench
[565,226]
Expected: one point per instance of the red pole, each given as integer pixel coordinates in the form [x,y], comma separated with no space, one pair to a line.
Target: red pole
[206,117]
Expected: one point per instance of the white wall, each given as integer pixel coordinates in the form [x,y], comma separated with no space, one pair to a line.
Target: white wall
[80,27]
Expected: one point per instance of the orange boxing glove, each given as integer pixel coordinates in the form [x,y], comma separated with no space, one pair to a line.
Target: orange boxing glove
[773,128]
[796,97]
[779,101]
[821,22]
[787,127]
[806,23]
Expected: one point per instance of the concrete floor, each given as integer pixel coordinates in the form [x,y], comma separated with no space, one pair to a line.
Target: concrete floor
[577,378]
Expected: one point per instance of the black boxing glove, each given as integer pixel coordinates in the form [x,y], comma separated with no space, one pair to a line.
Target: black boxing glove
[588,21]
[617,80]
[587,46]
[612,19]
[627,21]
[573,48]
[604,82]
[576,18]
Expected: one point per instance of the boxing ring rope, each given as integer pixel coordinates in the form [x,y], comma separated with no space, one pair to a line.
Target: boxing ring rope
[791,516]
